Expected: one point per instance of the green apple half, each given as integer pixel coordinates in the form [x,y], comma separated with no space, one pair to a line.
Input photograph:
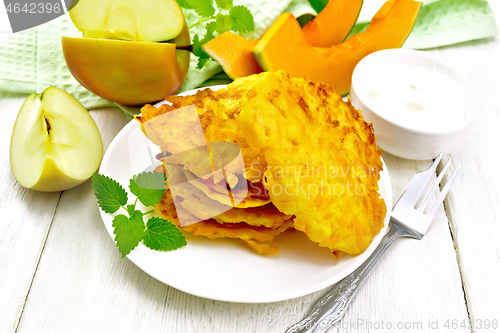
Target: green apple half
[55,142]
[151,20]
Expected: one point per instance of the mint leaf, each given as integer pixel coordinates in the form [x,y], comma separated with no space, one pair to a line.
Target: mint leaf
[130,209]
[204,8]
[209,35]
[197,51]
[224,23]
[184,4]
[109,193]
[304,19]
[163,235]
[197,43]
[129,231]
[318,5]
[242,19]
[224,4]
[148,187]
[201,62]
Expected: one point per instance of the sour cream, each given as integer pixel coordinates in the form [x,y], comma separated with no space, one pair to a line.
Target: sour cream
[416,97]
[418,104]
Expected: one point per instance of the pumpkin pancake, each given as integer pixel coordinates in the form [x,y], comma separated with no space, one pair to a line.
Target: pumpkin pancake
[244,194]
[253,236]
[217,112]
[201,207]
[314,154]
[322,162]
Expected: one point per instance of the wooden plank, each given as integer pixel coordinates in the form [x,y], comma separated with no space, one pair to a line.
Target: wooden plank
[62,250]
[474,208]
[83,284]
[416,283]
[26,217]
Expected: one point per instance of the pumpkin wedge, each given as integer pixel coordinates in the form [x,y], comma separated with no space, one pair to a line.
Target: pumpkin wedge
[333,23]
[234,54]
[284,46]
[330,27]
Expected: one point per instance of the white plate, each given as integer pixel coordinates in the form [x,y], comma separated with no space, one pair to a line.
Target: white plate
[225,269]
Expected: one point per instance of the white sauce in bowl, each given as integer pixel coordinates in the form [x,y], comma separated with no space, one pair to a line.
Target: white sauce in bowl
[416,97]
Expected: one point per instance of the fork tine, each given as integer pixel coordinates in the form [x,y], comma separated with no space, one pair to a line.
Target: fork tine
[434,187]
[444,192]
[418,183]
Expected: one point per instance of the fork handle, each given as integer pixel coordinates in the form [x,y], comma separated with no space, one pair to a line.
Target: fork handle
[330,308]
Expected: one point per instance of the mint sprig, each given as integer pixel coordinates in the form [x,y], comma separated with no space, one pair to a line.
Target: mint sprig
[109,193]
[129,231]
[224,23]
[148,187]
[224,4]
[318,5]
[197,50]
[161,235]
[204,8]
[242,19]
[237,19]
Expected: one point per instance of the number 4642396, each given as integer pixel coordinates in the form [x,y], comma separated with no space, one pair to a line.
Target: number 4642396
[34,8]
[477,324]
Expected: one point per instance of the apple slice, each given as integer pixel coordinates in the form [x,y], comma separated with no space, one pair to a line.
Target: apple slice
[55,143]
[128,72]
[152,20]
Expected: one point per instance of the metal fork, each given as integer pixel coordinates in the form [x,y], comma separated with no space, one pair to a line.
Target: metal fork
[406,221]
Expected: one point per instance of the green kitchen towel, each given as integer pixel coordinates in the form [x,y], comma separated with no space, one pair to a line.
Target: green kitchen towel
[370,7]
[31,61]
[446,22]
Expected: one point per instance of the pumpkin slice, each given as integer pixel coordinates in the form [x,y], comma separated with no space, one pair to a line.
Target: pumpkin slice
[234,54]
[330,27]
[285,47]
[333,23]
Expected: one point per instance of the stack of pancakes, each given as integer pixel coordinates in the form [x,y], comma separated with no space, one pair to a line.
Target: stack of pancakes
[286,131]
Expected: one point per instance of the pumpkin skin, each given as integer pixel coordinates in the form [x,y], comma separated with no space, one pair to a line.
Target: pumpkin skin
[333,23]
[330,27]
[284,47]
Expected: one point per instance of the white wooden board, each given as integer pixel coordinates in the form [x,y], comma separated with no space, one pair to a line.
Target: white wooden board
[61,272]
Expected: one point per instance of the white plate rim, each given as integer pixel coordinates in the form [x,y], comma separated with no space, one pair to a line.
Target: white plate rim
[140,260]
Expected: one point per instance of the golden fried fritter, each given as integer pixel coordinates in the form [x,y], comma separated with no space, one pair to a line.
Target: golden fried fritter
[253,236]
[257,195]
[217,111]
[313,152]
[253,226]
[262,248]
[267,216]
[323,164]
[245,194]
[202,207]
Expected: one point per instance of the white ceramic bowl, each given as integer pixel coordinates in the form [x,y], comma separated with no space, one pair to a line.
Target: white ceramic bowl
[409,141]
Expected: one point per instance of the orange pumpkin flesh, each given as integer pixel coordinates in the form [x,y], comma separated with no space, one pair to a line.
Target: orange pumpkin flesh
[333,23]
[330,27]
[234,54]
[285,47]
